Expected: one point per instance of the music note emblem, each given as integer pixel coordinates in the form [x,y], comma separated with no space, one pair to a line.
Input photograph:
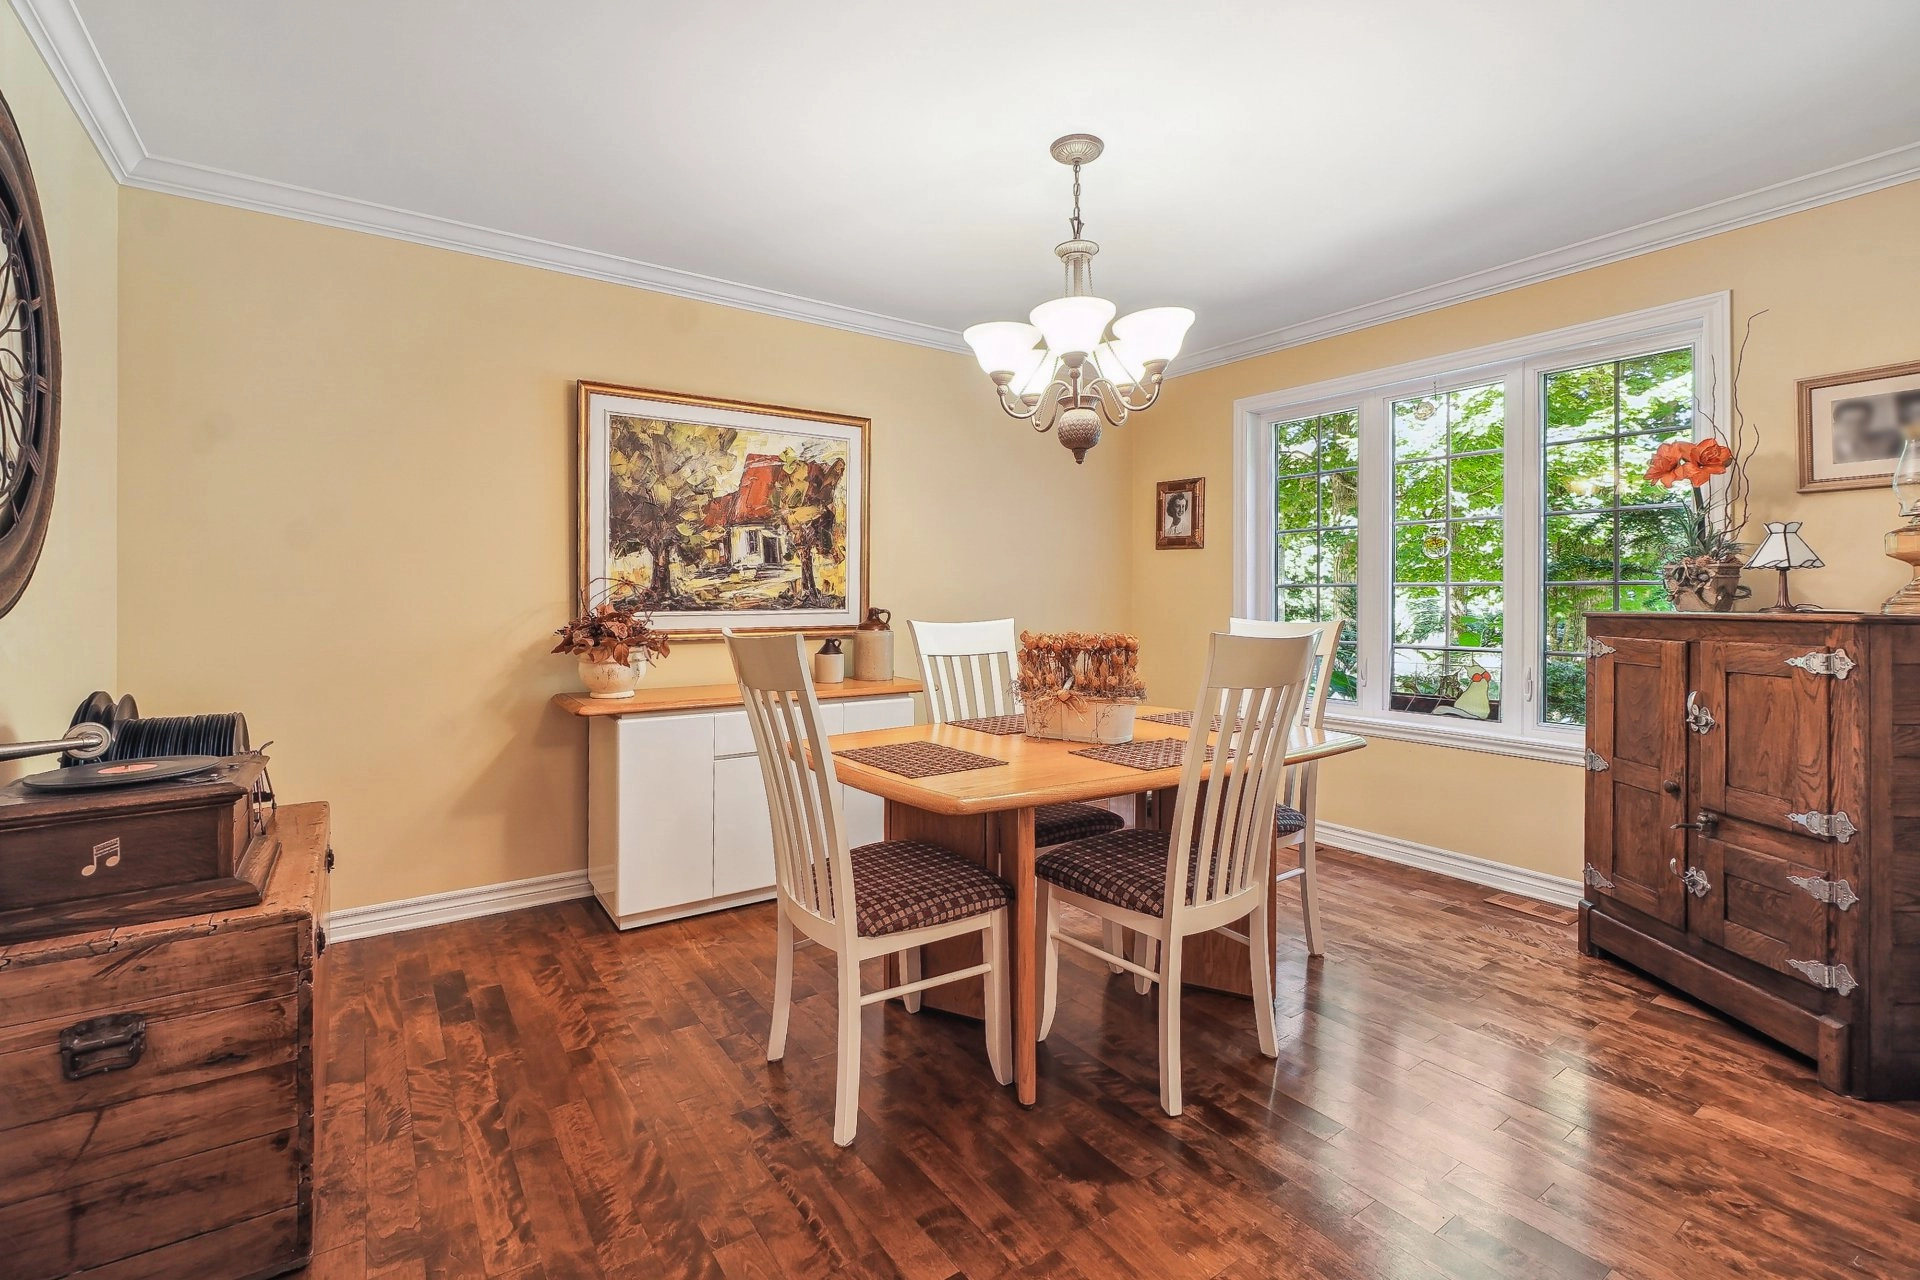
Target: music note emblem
[107,852]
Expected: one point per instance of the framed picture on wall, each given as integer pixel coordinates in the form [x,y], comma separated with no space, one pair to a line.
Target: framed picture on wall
[719,513]
[1852,426]
[1180,514]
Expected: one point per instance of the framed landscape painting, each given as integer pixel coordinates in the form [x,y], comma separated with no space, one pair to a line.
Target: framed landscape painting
[718,513]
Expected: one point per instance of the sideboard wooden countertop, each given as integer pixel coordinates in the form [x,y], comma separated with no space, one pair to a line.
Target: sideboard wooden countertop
[716,697]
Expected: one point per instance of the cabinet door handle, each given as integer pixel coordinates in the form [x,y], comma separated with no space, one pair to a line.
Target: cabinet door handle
[1704,822]
[1693,878]
[1671,786]
[1699,719]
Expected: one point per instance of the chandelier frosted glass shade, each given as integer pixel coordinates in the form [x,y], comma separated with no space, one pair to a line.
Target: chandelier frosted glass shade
[1004,346]
[1073,326]
[1154,334]
[1065,368]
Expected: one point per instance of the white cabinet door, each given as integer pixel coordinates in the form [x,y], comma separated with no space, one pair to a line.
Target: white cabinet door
[665,776]
[742,829]
[866,813]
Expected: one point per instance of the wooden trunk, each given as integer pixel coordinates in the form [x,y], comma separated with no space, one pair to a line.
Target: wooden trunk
[157,1085]
[1753,825]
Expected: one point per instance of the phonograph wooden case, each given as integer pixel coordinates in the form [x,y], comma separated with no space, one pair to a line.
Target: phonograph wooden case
[79,860]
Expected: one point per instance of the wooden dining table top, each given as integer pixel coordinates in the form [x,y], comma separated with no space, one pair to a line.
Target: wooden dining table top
[1037,771]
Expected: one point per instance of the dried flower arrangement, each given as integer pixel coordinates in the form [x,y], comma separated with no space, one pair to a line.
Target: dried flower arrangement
[1073,665]
[607,632]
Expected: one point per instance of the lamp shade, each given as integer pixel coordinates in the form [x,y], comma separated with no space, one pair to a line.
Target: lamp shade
[1003,346]
[1033,380]
[1117,364]
[1073,326]
[1155,333]
[1784,548]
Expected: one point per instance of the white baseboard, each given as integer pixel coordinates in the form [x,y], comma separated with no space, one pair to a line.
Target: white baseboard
[491,899]
[461,904]
[1558,890]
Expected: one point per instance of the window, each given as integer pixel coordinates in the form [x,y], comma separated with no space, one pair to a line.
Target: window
[1468,512]
[1449,552]
[1606,528]
[1316,491]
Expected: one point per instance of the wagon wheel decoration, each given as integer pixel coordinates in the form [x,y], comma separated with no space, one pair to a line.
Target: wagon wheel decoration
[29,369]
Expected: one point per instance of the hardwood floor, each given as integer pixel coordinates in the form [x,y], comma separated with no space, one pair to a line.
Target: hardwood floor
[1458,1094]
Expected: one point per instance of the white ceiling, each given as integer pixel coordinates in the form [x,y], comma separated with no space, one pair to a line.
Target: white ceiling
[1269,164]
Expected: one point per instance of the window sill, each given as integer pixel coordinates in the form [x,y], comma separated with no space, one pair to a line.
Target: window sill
[1571,751]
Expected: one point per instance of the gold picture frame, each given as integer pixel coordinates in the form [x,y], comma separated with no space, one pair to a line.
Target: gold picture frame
[1180,514]
[1858,413]
[730,542]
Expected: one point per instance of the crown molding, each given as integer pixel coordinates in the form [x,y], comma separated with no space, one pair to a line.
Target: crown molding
[1886,169]
[62,39]
[57,32]
[173,177]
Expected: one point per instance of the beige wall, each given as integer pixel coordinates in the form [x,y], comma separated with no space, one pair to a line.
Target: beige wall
[1842,287]
[347,493]
[57,645]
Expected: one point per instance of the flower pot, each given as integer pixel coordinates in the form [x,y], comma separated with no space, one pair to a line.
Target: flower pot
[1094,720]
[612,679]
[1698,584]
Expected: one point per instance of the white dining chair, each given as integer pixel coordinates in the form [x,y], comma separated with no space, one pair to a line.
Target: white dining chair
[967,671]
[1295,824]
[858,903]
[1214,867]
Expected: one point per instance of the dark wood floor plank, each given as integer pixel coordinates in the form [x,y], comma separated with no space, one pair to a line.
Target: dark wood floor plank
[1459,1096]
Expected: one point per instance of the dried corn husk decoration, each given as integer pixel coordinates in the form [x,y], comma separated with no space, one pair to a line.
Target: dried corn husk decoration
[1069,668]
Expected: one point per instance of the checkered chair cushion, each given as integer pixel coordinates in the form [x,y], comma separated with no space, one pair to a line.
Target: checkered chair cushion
[1288,822]
[905,884]
[1127,868]
[1059,823]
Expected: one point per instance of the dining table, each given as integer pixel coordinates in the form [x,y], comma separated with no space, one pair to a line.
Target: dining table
[986,814]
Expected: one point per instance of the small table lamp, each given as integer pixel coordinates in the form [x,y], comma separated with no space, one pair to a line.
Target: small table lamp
[1784,549]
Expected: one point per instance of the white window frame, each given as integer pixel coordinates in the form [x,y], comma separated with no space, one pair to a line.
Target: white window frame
[1703,323]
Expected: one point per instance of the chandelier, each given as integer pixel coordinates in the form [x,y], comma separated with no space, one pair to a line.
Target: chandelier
[1063,370]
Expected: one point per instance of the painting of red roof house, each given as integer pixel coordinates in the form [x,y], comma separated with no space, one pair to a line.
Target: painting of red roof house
[735,521]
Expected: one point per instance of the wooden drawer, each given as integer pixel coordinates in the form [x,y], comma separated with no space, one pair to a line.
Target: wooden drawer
[116,1218]
[183,1050]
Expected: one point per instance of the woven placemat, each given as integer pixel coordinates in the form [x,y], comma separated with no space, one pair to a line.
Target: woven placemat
[919,759]
[1143,753]
[1004,726]
[1185,720]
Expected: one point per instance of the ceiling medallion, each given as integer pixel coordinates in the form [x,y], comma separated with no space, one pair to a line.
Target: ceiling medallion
[1063,370]
[29,369]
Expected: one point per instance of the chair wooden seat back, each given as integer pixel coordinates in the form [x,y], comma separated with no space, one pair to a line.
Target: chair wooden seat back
[812,867]
[1313,706]
[1255,685]
[967,668]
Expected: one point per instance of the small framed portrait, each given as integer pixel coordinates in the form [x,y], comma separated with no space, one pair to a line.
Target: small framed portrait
[1180,514]
[1853,424]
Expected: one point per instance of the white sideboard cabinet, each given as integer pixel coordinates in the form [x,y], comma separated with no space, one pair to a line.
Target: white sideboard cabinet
[676,805]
